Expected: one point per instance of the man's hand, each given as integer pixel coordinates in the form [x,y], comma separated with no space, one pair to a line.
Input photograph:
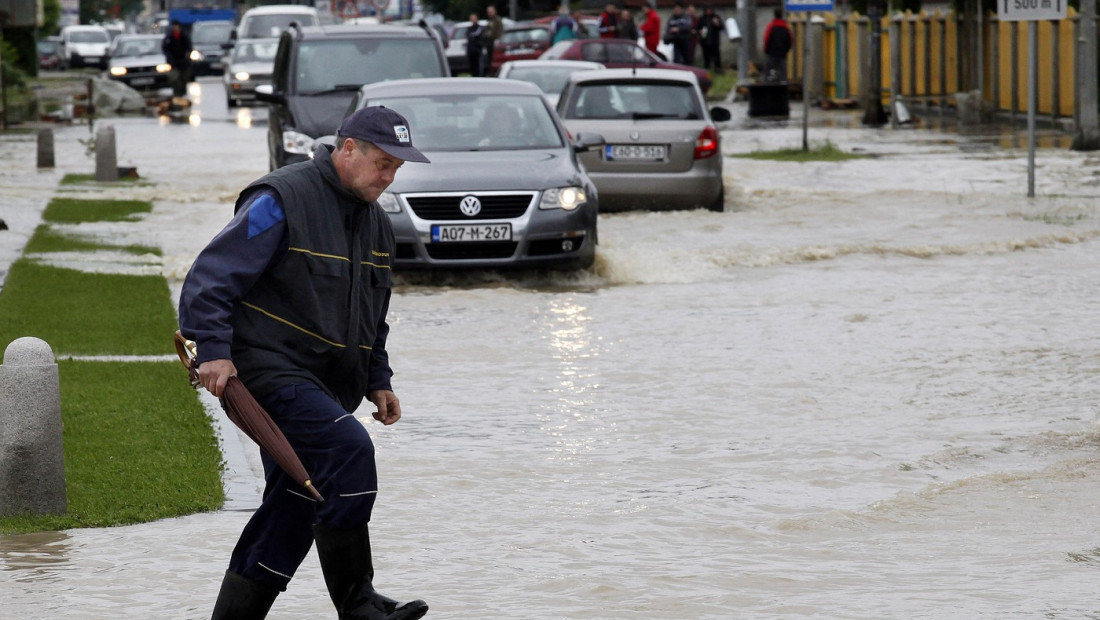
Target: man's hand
[389,408]
[213,375]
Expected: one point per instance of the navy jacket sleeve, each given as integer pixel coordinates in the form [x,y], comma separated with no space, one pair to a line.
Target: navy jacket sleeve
[380,371]
[225,271]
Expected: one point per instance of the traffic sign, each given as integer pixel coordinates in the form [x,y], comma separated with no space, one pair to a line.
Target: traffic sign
[1030,10]
[814,5]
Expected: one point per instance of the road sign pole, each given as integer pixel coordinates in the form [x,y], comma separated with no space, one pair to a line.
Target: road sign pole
[1032,77]
[806,84]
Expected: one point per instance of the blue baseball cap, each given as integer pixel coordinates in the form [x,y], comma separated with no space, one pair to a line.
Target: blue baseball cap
[383,128]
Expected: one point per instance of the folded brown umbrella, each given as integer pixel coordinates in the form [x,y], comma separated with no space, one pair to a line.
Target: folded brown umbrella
[251,418]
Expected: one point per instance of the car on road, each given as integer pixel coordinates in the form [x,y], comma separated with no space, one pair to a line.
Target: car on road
[319,69]
[209,41]
[138,62]
[619,53]
[662,149]
[549,75]
[519,42]
[84,46]
[49,53]
[504,188]
[249,65]
[264,22]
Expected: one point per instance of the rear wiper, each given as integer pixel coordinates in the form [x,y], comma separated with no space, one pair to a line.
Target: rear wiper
[644,115]
[339,88]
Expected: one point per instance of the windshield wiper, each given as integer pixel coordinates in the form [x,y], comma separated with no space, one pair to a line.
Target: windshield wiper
[646,115]
[339,88]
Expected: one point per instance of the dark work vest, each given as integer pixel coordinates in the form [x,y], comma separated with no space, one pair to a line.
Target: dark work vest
[317,315]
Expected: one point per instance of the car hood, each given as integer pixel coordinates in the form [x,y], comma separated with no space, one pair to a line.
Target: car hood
[318,115]
[256,68]
[145,60]
[489,171]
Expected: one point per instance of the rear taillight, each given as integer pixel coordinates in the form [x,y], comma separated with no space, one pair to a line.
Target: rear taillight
[706,145]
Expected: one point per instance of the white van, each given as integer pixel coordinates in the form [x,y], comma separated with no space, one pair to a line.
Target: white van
[84,46]
[270,21]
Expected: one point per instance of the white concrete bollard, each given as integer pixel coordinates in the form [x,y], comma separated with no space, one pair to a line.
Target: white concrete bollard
[106,156]
[32,457]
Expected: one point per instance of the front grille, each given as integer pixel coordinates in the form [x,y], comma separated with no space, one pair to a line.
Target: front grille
[478,250]
[493,206]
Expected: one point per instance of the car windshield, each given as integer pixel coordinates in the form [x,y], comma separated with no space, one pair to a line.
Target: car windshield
[137,47]
[529,35]
[637,100]
[477,122]
[211,33]
[550,79]
[248,51]
[89,36]
[346,64]
[261,26]
[47,47]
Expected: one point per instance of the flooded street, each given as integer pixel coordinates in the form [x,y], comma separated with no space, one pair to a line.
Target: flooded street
[867,390]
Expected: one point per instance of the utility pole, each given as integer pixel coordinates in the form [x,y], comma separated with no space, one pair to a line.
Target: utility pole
[1087,136]
[874,115]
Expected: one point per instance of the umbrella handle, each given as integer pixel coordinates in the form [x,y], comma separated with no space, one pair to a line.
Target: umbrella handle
[185,349]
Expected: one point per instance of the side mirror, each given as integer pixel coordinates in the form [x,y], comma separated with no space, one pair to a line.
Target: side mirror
[267,94]
[719,114]
[585,140]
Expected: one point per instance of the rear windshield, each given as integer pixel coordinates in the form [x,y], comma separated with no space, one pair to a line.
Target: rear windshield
[255,51]
[345,64]
[260,26]
[211,33]
[477,122]
[636,100]
[550,79]
[532,35]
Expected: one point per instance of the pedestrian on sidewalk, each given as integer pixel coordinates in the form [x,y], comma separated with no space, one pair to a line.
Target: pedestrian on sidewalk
[627,28]
[710,28]
[651,27]
[494,30]
[292,298]
[777,44]
[678,34]
[475,41]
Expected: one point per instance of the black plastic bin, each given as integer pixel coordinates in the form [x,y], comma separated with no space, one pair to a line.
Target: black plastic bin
[771,99]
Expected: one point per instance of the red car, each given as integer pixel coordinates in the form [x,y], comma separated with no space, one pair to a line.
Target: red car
[618,54]
[520,42]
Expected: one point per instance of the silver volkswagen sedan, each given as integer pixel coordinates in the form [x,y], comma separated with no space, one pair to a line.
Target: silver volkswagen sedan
[504,189]
[662,148]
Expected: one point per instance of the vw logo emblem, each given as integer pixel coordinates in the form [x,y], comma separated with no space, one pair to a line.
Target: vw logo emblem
[635,136]
[470,206]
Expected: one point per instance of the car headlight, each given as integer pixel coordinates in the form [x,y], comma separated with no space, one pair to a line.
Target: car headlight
[389,203]
[196,56]
[567,198]
[295,142]
[164,67]
[241,76]
[118,71]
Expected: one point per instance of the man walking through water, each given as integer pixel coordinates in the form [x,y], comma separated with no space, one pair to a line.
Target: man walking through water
[176,46]
[292,298]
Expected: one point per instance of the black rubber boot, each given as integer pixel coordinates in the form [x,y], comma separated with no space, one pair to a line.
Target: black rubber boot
[243,599]
[346,563]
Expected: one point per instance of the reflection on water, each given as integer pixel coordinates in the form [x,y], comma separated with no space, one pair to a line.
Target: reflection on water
[244,117]
[31,556]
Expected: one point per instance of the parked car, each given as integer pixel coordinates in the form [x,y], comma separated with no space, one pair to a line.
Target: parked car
[619,53]
[549,75]
[268,21]
[84,46]
[49,53]
[250,65]
[662,148]
[520,42]
[319,69]
[139,62]
[456,44]
[210,41]
[505,187]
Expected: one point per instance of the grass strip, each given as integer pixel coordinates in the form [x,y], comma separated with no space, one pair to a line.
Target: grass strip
[81,313]
[84,179]
[826,152]
[46,240]
[138,447]
[76,210]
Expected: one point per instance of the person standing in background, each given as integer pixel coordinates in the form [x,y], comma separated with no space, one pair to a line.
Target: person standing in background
[777,44]
[474,45]
[651,27]
[627,29]
[678,34]
[177,50]
[710,28]
[693,36]
[608,25]
[493,32]
[564,28]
